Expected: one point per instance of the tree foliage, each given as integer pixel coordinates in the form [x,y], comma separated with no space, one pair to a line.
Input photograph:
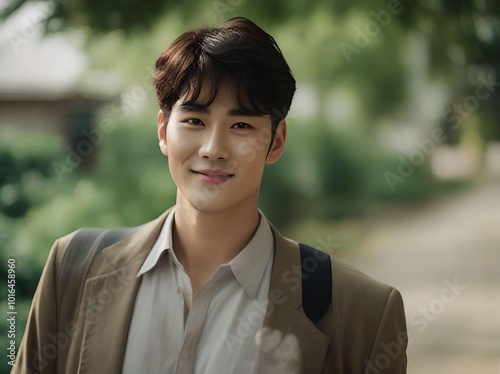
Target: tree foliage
[454,27]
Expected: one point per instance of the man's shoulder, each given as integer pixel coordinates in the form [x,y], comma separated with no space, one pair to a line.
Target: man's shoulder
[70,250]
[360,300]
[345,277]
[85,237]
[348,278]
[355,291]
[61,245]
[79,248]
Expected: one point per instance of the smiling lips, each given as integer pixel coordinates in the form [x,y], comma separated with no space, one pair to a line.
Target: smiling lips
[213,176]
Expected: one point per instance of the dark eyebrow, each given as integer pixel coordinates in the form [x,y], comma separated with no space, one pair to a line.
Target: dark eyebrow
[197,108]
[200,108]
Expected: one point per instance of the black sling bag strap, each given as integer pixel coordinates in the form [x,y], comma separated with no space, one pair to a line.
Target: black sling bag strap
[87,243]
[316,282]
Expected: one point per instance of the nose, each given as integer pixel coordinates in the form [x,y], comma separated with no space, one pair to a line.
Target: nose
[214,146]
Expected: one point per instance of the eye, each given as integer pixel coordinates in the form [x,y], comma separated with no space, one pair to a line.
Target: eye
[241,126]
[193,121]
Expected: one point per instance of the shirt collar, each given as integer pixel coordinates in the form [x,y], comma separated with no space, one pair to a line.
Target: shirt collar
[248,266]
[162,244]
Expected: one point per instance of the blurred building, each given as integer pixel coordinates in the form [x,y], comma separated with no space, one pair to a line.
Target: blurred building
[67,114]
[44,85]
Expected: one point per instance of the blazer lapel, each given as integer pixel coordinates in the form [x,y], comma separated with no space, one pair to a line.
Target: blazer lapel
[285,311]
[108,299]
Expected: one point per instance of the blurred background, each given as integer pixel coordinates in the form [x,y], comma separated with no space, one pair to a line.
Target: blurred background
[392,162]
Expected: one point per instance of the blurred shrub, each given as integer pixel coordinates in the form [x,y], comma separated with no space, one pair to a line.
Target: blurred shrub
[24,167]
[280,193]
[330,174]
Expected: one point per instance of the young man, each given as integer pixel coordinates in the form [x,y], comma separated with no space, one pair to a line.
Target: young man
[211,286]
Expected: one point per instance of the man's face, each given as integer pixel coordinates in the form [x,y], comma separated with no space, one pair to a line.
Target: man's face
[217,154]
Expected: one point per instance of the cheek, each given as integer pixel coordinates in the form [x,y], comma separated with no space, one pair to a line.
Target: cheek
[178,155]
[179,148]
[250,152]
[251,164]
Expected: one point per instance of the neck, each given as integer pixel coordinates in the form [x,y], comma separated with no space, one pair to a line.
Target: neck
[203,240]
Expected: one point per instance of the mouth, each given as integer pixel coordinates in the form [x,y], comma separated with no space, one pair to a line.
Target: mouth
[214,173]
[213,176]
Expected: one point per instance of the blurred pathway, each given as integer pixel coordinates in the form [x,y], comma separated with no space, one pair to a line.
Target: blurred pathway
[445,260]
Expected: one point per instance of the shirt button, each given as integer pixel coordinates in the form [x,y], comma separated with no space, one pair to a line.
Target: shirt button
[185,355]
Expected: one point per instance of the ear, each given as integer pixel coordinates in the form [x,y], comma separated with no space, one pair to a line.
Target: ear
[278,145]
[162,133]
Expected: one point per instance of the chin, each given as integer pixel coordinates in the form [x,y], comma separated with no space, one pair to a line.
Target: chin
[222,201]
[206,204]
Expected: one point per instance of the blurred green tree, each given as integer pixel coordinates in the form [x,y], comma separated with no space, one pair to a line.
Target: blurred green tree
[472,26]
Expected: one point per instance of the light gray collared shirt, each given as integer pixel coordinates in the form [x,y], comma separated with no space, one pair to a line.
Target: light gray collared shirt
[215,333]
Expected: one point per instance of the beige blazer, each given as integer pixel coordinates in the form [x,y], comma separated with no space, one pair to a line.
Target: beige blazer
[363,331]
